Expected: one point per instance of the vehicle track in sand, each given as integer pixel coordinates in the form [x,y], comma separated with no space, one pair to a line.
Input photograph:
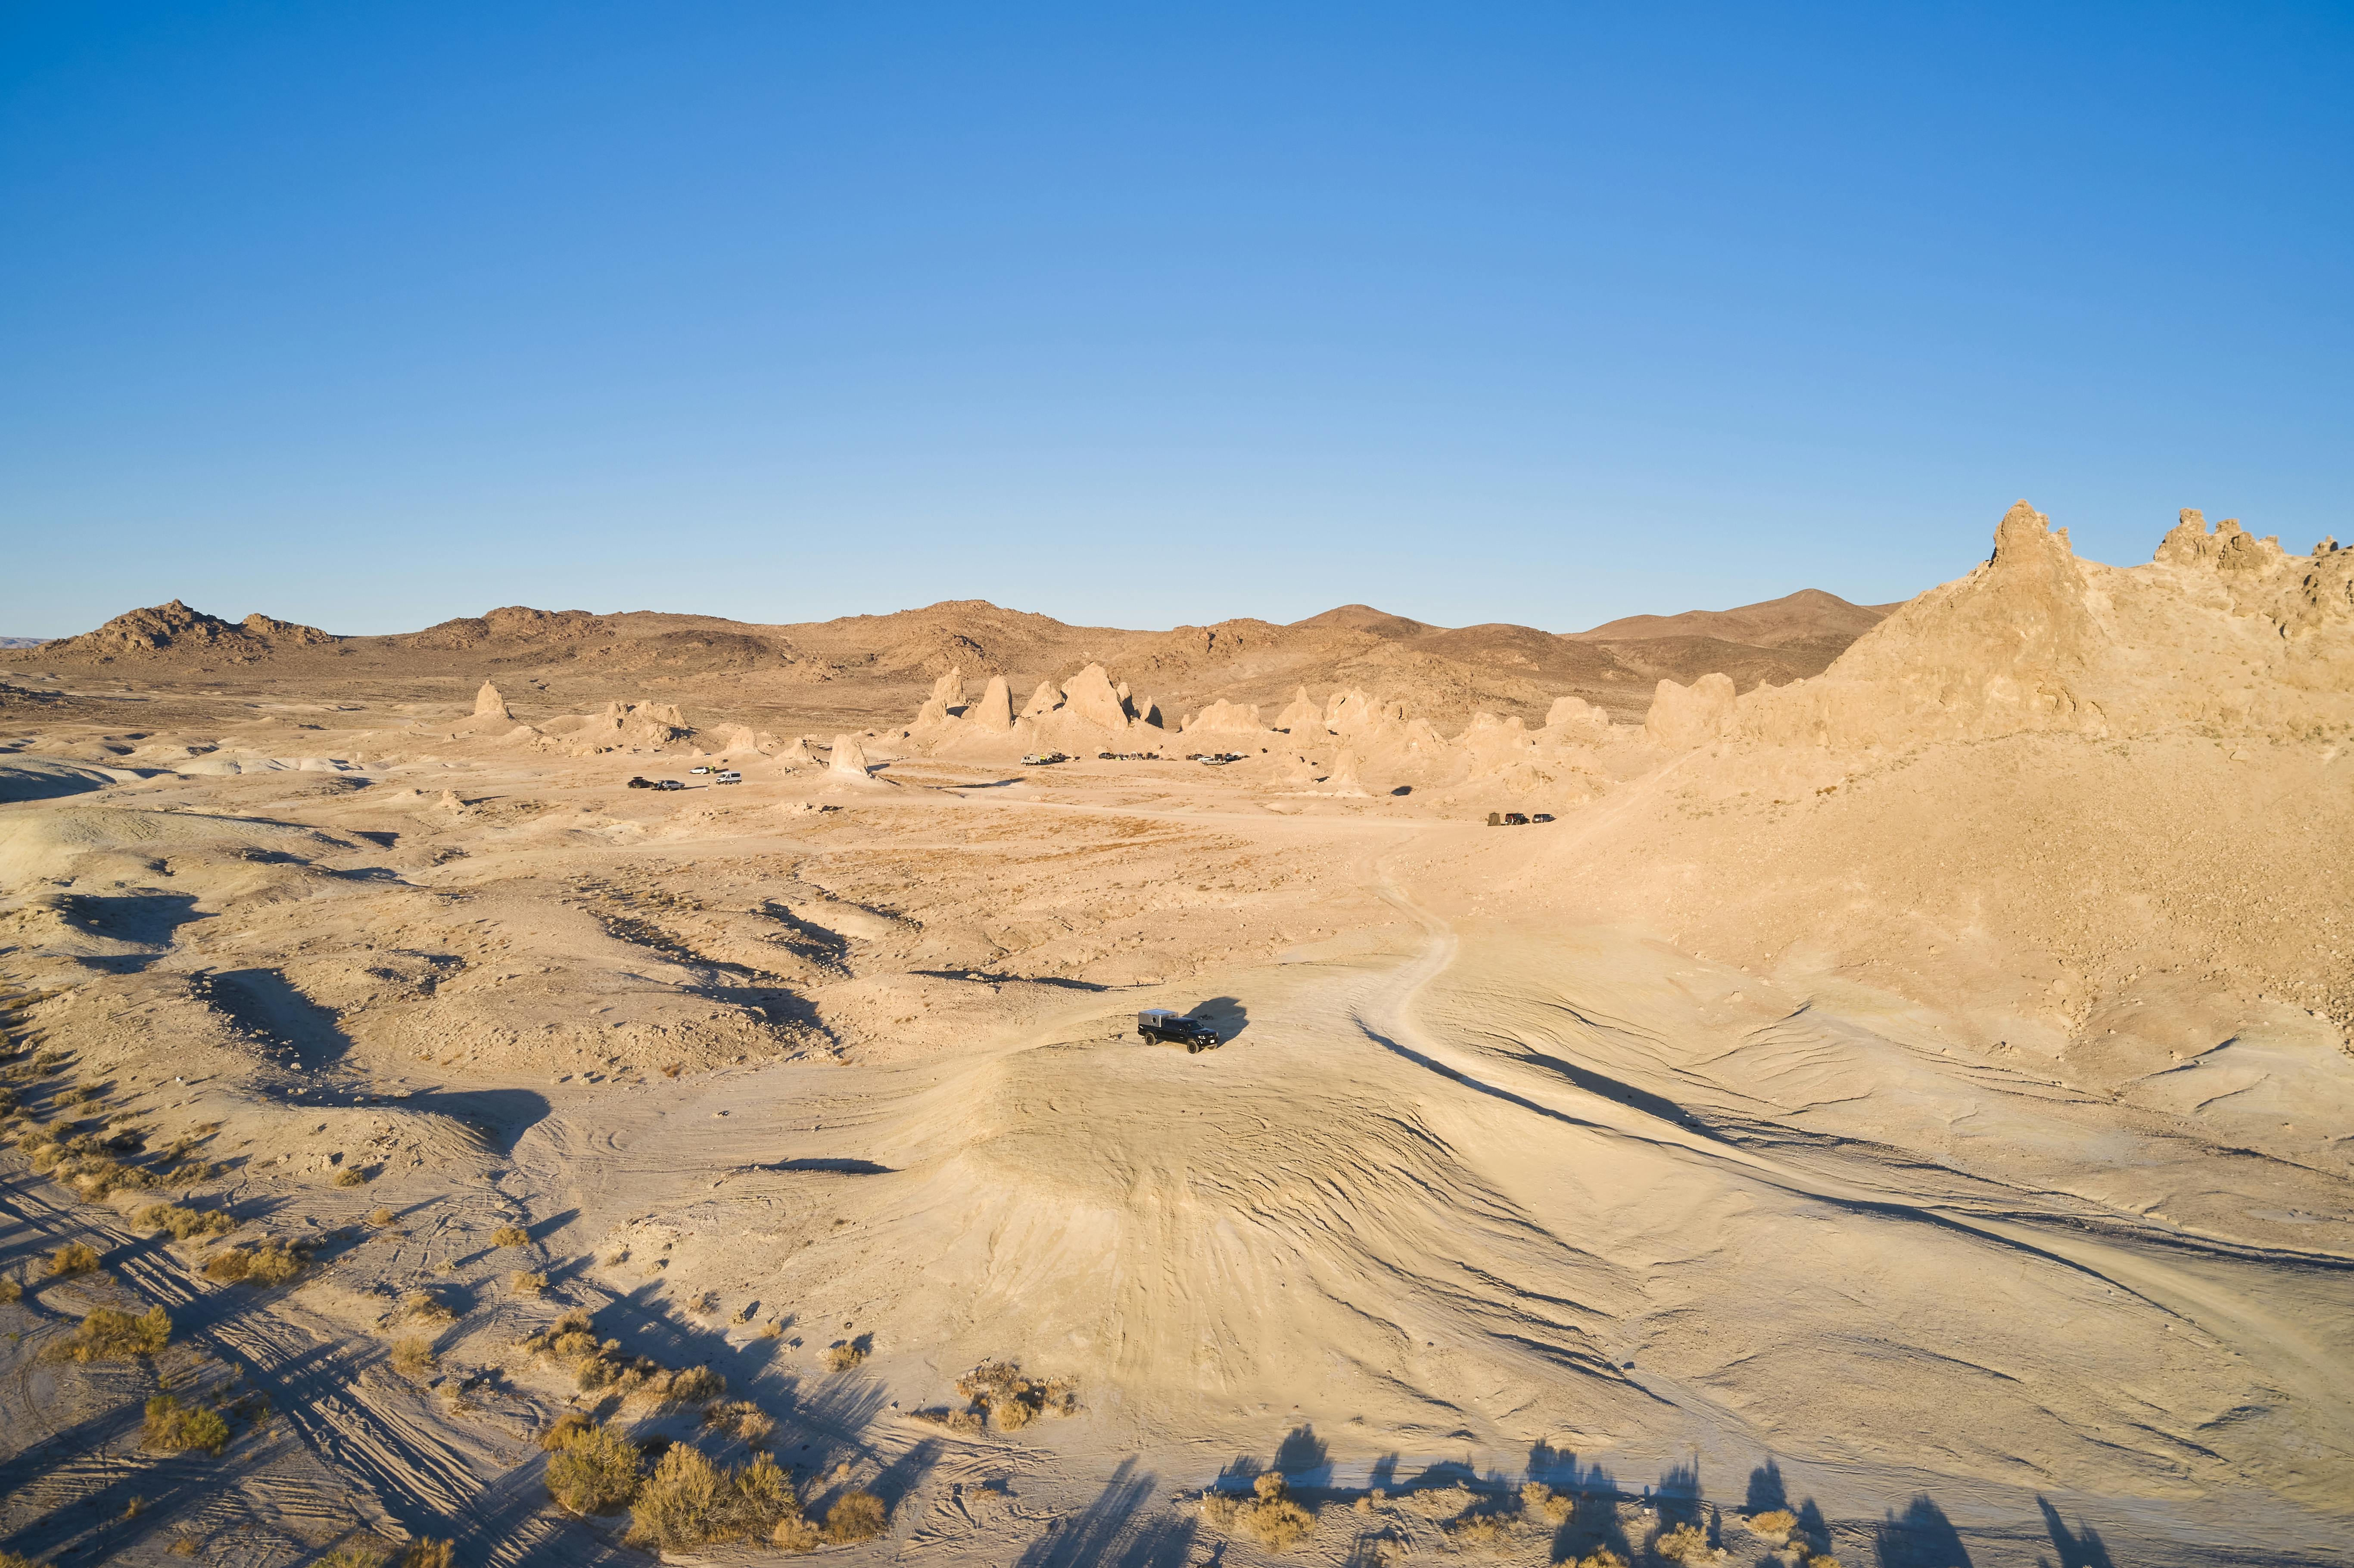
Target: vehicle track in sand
[2223,1289]
[379,1453]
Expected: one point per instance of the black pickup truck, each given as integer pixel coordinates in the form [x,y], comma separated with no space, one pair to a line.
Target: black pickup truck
[1165,1023]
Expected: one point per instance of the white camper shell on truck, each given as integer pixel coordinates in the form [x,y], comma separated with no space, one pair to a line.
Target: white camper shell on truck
[1167,1024]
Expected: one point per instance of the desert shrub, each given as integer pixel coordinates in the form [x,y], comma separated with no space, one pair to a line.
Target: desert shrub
[510,1236]
[968,1422]
[425,1306]
[1686,1543]
[351,1176]
[526,1282]
[1012,1400]
[1269,1517]
[16,1560]
[1773,1524]
[426,1553]
[380,1218]
[1479,1531]
[74,1257]
[10,1290]
[842,1355]
[596,1471]
[696,1385]
[414,1357]
[689,1501]
[270,1262]
[108,1335]
[563,1429]
[1541,1501]
[1600,1557]
[741,1419]
[856,1516]
[356,1555]
[184,1223]
[177,1428]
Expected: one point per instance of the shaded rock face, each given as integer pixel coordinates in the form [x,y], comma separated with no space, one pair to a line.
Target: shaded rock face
[1043,701]
[1686,716]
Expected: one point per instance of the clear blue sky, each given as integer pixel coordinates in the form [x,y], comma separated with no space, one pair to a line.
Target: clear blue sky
[370,315]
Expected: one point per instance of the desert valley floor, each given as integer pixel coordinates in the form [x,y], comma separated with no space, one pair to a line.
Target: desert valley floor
[1902,1123]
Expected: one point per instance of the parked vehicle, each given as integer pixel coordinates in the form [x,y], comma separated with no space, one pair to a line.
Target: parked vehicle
[668,784]
[699,768]
[1509,820]
[1044,760]
[727,776]
[642,783]
[1541,817]
[1216,758]
[1168,1023]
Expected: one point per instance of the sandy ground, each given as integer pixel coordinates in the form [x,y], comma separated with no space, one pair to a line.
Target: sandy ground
[1728,1144]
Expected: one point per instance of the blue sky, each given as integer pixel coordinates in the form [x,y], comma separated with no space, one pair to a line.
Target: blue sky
[368,316]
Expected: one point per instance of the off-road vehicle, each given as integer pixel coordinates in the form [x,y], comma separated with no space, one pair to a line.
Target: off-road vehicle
[1167,1024]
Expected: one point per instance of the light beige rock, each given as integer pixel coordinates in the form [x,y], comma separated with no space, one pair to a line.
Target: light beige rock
[849,759]
[994,711]
[488,704]
[1685,716]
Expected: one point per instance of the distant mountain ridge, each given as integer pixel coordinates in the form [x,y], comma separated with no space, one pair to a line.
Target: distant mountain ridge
[1443,669]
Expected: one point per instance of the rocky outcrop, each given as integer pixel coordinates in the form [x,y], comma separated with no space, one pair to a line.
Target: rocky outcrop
[488,704]
[1684,716]
[994,713]
[849,760]
[1088,697]
[2221,630]
[947,692]
[176,629]
[1223,718]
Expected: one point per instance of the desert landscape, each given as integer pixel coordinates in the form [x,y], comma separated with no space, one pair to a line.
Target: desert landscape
[1807,1084]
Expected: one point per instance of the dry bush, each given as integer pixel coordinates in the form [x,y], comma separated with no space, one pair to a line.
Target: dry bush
[426,1553]
[1552,1507]
[74,1257]
[1486,1531]
[9,1290]
[380,1218]
[510,1236]
[351,1176]
[795,1534]
[1686,1543]
[526,1282]
[968,1422]
[842,1355]
[742,1419]
[1773,1524]
[1012,1400]
[562,1430]
[596,1471]
[856,1516]
[177,1428]
[689,1501]
[1600,1557]
[425,1306]
[356,1555]
[270,1262]
[107,1335]
[186,1223]
[570,1339]
[1270,1516]
[414,1357]
[185,1546]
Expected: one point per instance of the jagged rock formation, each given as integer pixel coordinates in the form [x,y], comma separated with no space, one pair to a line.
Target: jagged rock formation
[2221,630]
[488,704]
[621,727]
[1223,718]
